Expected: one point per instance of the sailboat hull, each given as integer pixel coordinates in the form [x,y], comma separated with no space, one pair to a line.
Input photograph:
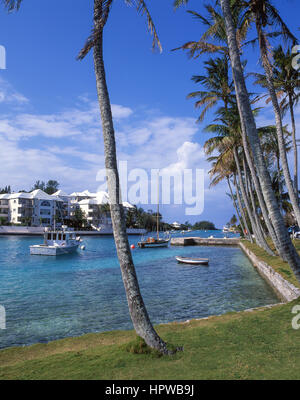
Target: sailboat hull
[154,244]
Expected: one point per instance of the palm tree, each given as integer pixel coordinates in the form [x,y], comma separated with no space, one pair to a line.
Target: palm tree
[137,309]
[287,249]
[217,84]
[223,167]
[215,30]
[287,85]
[227,142]
[263,13]
[215,24]
[269,144]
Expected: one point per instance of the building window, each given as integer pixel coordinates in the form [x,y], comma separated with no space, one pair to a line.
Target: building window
[45,204]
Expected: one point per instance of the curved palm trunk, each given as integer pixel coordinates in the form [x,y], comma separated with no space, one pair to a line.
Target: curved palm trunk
[245,197]
[242,209]
[294,147]
[260,197]
[246,115]
[137,309]
[235,207]
[251,213]
[254,208]
[278,119]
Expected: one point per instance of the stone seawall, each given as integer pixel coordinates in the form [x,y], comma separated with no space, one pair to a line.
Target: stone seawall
[197,241]
[284,289]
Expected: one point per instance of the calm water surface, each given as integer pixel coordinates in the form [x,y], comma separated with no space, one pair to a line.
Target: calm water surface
[47,298]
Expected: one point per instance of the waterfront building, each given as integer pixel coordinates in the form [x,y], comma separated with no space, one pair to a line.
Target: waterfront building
[36,208]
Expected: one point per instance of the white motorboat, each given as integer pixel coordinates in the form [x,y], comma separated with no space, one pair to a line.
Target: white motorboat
[192,260]
[56,243]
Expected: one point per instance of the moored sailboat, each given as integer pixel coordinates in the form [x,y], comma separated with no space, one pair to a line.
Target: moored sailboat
[152,242]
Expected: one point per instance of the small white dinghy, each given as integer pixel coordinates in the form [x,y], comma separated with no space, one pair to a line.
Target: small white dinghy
[192,260]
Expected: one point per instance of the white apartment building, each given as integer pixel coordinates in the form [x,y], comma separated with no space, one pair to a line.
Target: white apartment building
[91,205]
[34,209]
[40,209]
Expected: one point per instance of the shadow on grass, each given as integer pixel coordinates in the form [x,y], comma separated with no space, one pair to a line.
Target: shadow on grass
[139,346]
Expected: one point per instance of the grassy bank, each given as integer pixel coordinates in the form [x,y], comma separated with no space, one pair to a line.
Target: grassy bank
[275,262]
[248,345]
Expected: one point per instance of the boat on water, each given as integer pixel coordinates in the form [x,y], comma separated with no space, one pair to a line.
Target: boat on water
[192,260]
[56,243]
[152,242]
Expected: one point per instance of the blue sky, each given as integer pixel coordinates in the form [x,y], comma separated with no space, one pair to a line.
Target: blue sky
[49,121]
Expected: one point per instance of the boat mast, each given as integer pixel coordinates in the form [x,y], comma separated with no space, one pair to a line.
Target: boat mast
[157,217]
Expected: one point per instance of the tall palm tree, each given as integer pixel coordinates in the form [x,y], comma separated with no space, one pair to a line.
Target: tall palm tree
[216,31]
[287,84]
[213,40]
[264,14]
[222,168]
[287,249]
[217,84]
[137,309]
[269,144]
[227,142]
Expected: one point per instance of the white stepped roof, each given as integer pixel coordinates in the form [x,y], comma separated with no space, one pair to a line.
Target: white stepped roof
[102,197]
[4,196]
[41,195]
[36,194]
[127,205]
[88,201]
[21,195]
[60,193]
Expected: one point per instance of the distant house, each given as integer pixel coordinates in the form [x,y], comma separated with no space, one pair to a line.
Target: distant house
[90,204]
[176,225]
[35,209]
[40,209]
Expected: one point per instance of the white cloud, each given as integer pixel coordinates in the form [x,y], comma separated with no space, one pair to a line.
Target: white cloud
[9,95]
[120,112]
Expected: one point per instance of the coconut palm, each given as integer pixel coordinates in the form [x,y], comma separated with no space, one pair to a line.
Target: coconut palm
[227,142]
[287,85]
[264,14]
[217,84]
[137,309]
[287,249]
[213,40]
[216,31]
[223,167]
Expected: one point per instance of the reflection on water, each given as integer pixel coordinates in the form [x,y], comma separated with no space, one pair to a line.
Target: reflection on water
[53,297]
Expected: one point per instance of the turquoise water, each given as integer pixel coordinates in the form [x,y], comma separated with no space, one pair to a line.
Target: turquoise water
[47,298]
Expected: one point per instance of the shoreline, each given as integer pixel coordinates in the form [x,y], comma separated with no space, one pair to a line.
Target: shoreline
[285,291]
[39,231]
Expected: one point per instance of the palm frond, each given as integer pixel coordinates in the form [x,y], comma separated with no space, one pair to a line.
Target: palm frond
[12,4]
[143,10]
[178,3]
[102,9]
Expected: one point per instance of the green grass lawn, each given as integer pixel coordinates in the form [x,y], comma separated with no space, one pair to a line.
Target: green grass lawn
[275,262]
[248,345]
